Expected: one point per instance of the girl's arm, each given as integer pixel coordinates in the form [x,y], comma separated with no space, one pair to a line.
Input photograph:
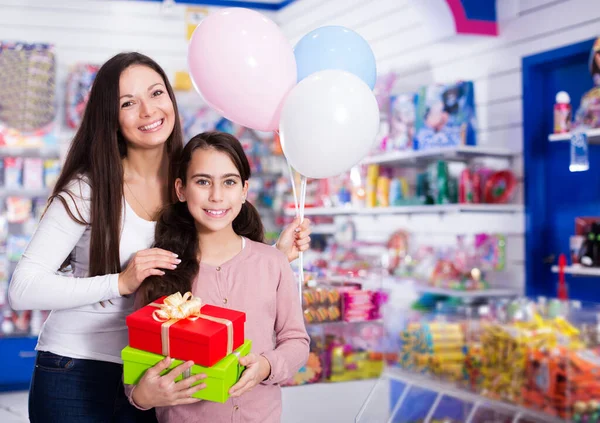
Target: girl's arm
[35,284]
[292,341]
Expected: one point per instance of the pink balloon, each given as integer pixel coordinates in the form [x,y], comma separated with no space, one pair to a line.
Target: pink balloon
[243,66]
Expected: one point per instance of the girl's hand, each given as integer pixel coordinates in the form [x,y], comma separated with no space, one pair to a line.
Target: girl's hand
[155,390]
[143,264]
[294,238]
[257,370]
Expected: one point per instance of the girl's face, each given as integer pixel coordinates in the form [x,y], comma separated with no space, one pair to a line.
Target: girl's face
[214,190]
[146,114]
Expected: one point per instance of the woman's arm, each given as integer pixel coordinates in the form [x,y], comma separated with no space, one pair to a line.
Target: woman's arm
[35,284]
[292,341]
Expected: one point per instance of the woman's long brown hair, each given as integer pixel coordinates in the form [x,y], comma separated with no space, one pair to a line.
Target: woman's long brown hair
[96,154]
[176,229]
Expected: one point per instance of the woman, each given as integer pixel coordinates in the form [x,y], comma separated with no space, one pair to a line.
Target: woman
[100,221]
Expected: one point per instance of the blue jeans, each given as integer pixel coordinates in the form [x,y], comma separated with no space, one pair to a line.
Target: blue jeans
[69,390]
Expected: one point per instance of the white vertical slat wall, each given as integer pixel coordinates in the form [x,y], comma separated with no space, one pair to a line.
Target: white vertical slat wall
[403,41]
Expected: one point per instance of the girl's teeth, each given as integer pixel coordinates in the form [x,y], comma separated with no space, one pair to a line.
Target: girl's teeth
[216,212]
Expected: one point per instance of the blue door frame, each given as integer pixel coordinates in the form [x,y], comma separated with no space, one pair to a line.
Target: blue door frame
[547,182]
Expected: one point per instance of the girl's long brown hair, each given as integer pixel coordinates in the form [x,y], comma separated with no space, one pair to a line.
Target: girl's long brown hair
[176,230]
[96,153]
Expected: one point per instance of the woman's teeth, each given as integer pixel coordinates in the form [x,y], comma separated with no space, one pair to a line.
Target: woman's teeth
[152,125]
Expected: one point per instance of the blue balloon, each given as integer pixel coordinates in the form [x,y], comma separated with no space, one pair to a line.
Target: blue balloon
[335,47]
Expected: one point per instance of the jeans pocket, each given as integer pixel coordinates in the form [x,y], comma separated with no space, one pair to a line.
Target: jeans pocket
[51,362]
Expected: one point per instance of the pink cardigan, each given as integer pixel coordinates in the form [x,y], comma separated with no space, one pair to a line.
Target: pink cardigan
[258,281]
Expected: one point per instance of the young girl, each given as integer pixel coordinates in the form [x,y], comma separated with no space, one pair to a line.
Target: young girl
[100,220]
[218,235]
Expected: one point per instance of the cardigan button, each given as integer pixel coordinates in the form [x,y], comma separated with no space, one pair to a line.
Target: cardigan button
[218,268]
[224,300]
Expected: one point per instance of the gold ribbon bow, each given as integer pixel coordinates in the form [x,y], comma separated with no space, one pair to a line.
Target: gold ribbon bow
[177,307]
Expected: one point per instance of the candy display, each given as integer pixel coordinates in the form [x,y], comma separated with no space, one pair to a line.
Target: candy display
[353,351]
[462,266]
[540,355]
[321,304]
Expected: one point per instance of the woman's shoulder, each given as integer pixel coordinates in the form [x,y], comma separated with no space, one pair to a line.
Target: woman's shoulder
[79,186]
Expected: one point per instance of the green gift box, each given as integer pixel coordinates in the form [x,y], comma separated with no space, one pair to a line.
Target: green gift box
[219,378]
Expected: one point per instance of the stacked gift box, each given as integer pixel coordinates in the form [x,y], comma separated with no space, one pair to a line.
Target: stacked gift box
[181,327]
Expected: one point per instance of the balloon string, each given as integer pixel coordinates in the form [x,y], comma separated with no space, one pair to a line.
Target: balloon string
[299,213]
[301,255]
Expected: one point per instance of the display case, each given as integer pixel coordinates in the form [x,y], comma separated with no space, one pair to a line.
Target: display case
[503,361]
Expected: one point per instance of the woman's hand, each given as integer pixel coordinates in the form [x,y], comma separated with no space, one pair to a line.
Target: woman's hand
[294,238]
[155,390]
[257,370]
[143,264]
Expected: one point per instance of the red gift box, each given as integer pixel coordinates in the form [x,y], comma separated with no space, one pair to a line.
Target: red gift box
[205,336]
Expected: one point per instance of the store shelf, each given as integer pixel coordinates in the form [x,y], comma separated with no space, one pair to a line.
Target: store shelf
[447,390]
[484,293]
[22,192]
[592,134]
[579,270]
[433,209]
[31,151]
[323,229]
[460,153]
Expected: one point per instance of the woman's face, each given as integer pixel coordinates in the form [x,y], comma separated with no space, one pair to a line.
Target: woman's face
[146,114]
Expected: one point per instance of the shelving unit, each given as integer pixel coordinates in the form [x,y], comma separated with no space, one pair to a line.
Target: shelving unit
[484,293]
[579,270]
[460,153]
[592,134]
[51,152]
[438,208]
[404,383]
[31,193]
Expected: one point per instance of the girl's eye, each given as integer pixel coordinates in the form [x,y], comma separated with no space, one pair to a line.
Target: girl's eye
[126,104]
[203,182]
[157,93]
[230,182]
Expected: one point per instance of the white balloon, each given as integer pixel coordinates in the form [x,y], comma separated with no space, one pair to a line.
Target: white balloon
[328,123]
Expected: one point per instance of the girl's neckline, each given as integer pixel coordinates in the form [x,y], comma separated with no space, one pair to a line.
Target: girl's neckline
[246,246]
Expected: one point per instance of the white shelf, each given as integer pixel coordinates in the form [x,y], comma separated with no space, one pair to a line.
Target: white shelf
[22,192]
[324,229]
[463,152]
[592,134]
[483,293]
[433,209]
[30,151]
[579,270]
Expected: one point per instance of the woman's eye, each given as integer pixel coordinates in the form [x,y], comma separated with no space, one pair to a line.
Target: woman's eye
[157,93]
[126,104]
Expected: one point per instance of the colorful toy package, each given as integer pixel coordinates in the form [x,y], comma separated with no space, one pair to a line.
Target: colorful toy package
[79,83]
[445,116]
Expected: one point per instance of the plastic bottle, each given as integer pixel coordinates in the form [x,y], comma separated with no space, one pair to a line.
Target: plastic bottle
[562,113]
